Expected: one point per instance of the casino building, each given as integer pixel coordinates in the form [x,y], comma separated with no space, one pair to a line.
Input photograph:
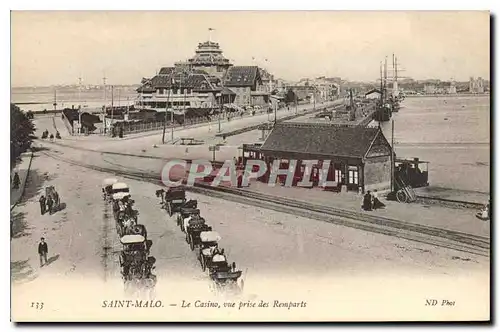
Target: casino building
[206,80]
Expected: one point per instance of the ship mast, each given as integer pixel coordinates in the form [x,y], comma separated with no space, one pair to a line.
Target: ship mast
[385,77]
[381,86]
[395,90]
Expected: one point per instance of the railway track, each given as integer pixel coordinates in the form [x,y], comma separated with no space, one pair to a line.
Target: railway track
[469,243]
[422,199]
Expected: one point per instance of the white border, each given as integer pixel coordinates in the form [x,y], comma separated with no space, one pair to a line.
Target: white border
[190,5]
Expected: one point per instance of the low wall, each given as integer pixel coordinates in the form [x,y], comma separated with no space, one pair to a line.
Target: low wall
[67,124]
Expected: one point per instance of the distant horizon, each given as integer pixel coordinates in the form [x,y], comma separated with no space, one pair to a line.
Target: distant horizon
[138,84]
[124,46]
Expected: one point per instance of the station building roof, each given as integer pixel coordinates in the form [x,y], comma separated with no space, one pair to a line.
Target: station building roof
[319,139]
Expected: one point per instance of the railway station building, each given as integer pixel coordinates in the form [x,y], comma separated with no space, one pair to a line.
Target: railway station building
[360,157]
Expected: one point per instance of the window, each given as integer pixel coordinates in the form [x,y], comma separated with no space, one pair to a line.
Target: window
[338,175]
[174,91]
[353,177]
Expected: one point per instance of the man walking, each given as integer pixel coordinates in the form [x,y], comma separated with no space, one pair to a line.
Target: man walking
[42,205]
[16,181]
[43,251]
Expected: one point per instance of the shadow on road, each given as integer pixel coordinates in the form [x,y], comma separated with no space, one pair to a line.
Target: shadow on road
[52,259]
[22,272]
[18,225]
[35,185]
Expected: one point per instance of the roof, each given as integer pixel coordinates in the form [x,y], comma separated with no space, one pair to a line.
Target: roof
[120,185]
[241,76]
[209,236]
[320,139]
[197,82]
[372,91]
[166,70]
[131,239]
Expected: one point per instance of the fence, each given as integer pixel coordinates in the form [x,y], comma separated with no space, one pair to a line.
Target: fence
[139,127]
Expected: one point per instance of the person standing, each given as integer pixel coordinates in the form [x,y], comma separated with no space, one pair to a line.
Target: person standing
[377,204]
[50,202]
[367,201]
[42,205]
[43,250]
[16,181]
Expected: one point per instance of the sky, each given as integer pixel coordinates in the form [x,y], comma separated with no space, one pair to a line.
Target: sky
[49,47]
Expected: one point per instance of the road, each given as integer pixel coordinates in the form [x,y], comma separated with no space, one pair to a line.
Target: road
[338,270]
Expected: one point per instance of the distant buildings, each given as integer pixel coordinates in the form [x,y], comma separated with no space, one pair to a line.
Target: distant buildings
[430,89]
[476,85]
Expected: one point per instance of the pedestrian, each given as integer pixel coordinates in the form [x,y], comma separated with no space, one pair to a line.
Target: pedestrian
[377,204]
[367,201]
[43,250]
[50,202]
[16,181]
[42,205]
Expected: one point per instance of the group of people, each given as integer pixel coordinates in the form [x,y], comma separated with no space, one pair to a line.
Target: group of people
[51,137]
[46,204]
[371,201]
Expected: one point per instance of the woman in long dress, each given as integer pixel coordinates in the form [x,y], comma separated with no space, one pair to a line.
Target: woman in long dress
[377,204]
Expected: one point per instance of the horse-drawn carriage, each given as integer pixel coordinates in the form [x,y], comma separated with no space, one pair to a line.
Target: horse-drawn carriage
[107,188]
[52,199]
[208,248]
[119,190]
[172,199]
[225,277]
[185,213]
[193,228]
[136,266]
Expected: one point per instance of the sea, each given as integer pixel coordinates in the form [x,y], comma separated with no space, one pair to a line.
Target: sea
[451,132]
[37,99]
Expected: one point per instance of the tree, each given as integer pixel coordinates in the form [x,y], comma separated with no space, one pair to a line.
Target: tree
[21,133]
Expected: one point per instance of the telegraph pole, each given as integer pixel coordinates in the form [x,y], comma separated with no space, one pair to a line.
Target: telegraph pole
[104,109]
[55,100]
[80,103]
[392,157]
[112,107]
[172,114]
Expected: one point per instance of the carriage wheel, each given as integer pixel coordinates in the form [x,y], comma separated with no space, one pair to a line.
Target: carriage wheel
[191,242]
[401,197]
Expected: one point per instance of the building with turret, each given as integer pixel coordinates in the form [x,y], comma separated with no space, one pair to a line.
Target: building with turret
[206,80]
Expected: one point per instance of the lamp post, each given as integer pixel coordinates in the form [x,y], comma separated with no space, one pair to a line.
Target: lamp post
[172,115]
[80,104]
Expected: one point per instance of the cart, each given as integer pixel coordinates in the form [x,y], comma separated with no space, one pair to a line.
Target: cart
[193,231]
[208,244]
[174,198]
[186,213]
[51,194]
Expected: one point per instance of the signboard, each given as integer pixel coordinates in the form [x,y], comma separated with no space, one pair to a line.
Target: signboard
[213,148]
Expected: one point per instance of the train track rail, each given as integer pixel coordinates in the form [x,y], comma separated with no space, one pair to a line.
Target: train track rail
[469,243]
[422,199]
